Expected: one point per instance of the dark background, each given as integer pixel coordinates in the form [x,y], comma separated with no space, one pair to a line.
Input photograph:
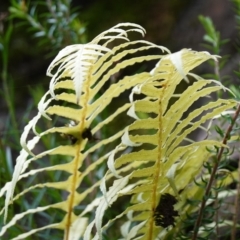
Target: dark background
[172,23]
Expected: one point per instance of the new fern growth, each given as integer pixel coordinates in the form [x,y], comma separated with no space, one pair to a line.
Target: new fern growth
[144,160]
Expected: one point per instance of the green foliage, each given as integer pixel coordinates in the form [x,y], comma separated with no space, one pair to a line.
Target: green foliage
[53,21]
[213,43]
[212,36]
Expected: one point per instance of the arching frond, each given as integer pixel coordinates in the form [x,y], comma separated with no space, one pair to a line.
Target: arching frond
[170,167]
[143,157]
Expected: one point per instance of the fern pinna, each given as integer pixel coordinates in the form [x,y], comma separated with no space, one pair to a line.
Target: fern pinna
[144,159]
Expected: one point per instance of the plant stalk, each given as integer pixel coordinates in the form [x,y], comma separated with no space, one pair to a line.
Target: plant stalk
[212,177]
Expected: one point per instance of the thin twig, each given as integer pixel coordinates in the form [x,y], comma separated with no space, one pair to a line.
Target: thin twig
[212,177]
[216,204]
[216,70]
[236,204]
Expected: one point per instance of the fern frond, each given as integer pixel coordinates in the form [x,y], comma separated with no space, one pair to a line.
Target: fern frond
[146,153]
[173,167]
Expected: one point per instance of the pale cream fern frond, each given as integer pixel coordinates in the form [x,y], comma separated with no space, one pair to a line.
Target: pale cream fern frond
[81,71]
[75,61]
[144,153]
[167,167]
